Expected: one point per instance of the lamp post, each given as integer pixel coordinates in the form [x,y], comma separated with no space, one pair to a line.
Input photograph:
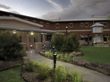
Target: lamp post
[66,30]
[54,56]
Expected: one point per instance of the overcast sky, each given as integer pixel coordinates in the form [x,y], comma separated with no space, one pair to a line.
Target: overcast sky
[53,9]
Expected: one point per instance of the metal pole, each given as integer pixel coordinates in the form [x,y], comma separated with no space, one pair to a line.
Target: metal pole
[66,32]
[54,56]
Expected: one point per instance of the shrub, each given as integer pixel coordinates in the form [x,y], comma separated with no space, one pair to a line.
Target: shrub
[35,63]
[76,77]
[21,54]
[9,45]
[60,75]
[68,58]
[62,58]
[58,40]
[72,43]
[43,71]
[47,54]
[63,43]
[29,66]
[50,54]
[58,56]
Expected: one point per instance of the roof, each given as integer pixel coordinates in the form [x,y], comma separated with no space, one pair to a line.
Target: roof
[85,19]
[23,15]
[28,29]
[21,20]
[98,25]
[65,20]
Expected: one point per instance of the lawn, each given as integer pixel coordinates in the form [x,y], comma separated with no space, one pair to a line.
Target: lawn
[96,54]
[11,75]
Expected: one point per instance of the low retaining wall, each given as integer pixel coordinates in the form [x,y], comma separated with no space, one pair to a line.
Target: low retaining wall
[103,68]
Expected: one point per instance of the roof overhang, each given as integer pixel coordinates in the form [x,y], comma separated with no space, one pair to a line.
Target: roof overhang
[20,20]
[25,29]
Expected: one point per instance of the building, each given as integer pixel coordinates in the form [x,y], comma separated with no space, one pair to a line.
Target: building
[85,29]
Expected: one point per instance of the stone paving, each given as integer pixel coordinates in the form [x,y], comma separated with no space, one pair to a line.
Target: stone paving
[89,75]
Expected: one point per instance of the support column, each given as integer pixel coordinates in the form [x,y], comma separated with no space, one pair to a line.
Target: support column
[88,39]
[92,40]
[27,41]
[43,38]
[107,38]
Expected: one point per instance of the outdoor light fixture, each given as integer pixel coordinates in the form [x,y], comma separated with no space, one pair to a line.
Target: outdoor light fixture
[66,30]
[32,33]
[31,46]
[54,56]
[14,31]
[41,33]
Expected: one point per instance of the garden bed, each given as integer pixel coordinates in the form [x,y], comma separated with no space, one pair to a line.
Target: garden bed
[33,72]
[6,64]
[103,68]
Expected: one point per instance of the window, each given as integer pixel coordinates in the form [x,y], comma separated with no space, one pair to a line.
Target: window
[86,24]
[82,38]
[11,15]
[26,19]
[71,25]
[41,22]
[20,39]
[47,24]
[57,25]
[82,24]
[104,23]
[35,39]
[34,21]
[86,38]
[105,38]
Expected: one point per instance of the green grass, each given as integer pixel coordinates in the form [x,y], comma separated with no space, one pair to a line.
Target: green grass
[11,75]
[96,54]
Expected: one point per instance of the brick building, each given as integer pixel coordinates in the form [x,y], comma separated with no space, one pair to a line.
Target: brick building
[82,27]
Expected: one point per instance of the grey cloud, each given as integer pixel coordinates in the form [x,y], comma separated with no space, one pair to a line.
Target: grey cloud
[4,6]
[81,9]
[8,8]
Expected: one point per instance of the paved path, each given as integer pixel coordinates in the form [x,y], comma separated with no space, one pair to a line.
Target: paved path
[89,75]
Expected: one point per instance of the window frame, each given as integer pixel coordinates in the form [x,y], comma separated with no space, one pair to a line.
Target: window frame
[103,24]
[70,25]
[86,23]
[34,21]
[47,24]
[57,24]
[41,22]
[82,25]
[26,19]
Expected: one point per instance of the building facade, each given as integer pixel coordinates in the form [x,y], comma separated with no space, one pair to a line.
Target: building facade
[82,27]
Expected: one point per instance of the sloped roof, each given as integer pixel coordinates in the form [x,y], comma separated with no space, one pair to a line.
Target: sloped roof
[19,28]
[84,19]
[21,20]
[98,25]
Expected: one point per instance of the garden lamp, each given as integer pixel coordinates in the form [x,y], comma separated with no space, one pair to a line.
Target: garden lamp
[54,55]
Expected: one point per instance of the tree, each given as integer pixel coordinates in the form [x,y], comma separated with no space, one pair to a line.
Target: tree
[63,43]
[9,45]
[72,43]
[58,40]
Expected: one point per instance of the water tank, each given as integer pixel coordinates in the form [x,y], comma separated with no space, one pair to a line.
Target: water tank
[97,28]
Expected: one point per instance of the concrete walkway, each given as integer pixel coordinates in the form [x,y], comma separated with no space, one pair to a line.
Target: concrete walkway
[89,75]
